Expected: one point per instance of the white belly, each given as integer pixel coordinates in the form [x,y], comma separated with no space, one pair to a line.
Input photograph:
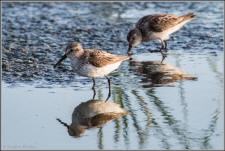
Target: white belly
[165,35]
[89,70]
[160,35]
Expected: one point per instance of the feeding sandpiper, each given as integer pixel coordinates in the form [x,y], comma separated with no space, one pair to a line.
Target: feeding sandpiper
[156,27]
[92,63]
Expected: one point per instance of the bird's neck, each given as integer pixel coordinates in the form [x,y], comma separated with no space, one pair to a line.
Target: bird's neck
[75,59]
[79,53]
[139,32]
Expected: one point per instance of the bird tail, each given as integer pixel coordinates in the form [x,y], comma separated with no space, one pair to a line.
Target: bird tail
[189,16]
[124,58]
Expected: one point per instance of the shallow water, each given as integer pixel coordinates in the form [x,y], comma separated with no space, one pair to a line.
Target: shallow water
[166,113]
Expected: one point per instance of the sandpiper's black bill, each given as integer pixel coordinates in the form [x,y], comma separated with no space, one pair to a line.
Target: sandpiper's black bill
[63,57]
[129,49]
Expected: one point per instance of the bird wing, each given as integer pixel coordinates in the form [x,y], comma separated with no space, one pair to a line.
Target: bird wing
[103,118]
[101,58]
[159,22]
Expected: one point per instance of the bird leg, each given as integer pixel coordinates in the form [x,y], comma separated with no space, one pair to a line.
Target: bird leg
[165,45]
[164,55]
[93,88]
[109,94]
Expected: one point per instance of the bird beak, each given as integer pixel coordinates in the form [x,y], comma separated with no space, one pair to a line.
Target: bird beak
[130,47]
[63,57]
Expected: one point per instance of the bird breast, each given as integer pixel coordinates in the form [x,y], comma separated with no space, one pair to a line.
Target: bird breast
[89,70]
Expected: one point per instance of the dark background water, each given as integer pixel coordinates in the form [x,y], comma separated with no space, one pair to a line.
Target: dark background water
[167,114]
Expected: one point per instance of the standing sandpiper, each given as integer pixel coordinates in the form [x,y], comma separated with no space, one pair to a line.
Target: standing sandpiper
[92,63]
[156,27]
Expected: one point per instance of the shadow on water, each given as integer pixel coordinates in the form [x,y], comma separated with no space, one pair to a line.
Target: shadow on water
[93,114]
[154,74]
[170,120]
[120,94]
[157,73]
[210,131]
[96,113]
[214,67]
[100,139]
[118,98]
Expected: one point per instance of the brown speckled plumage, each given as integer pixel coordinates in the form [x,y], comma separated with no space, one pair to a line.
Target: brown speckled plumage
[92,63]
[94,112]
[161,22]
[156,27]
[101,58]
[97,58]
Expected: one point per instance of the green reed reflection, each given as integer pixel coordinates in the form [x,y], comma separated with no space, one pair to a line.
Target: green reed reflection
[100,138]
[140,100]
[210,131]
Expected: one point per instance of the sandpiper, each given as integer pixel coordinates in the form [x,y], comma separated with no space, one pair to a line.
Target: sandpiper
[156,27]
[92,63]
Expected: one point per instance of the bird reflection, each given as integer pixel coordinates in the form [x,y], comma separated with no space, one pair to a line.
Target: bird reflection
[93,114]
[157,73]
[94,91]
[164,55]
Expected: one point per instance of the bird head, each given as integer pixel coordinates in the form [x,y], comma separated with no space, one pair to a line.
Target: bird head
[134,37]
[74,129]
[72,50]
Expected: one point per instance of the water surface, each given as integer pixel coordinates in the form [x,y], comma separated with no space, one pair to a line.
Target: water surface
[167,113]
